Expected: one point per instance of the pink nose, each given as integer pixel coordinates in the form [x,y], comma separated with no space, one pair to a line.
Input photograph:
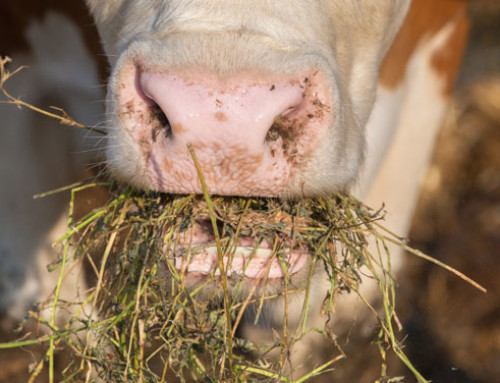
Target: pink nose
[251,134]
[227,115]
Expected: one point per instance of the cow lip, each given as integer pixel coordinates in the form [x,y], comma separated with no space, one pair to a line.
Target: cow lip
[200,257]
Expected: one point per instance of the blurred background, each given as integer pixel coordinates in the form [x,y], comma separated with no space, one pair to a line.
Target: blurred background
[453,329]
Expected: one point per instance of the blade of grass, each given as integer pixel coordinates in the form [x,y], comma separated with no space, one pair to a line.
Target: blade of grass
[220,256]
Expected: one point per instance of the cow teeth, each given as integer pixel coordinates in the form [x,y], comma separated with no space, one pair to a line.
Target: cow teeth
[245,252]
[245,261]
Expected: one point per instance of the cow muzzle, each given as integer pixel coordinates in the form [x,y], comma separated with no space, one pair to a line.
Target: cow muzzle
[251,132]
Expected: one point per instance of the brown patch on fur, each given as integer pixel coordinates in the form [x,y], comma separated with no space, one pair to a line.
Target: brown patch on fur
[425,18]
[458,222]
[447,60]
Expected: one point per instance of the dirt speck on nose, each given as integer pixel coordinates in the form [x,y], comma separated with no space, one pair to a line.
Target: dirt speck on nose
[178,128]
[318,103]
[128,109]
[220,116]
[320,110]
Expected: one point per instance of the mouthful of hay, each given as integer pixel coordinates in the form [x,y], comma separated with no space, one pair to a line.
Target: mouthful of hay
[181,275]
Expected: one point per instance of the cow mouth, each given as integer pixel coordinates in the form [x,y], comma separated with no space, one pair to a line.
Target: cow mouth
[195,253]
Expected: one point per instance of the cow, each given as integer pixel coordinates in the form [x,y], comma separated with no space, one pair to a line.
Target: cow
[360,86]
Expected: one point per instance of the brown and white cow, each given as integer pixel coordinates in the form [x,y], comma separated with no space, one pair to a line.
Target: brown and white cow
[363,109]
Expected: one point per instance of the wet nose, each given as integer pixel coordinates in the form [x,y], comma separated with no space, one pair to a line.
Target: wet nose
[217,114]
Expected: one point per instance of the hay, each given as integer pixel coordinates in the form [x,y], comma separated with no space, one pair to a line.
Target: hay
[150,315]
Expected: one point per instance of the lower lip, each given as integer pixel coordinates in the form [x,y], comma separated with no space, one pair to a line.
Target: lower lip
[244,261]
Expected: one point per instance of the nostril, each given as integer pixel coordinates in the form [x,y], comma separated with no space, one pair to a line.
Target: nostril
[162,124]
[274,133]
[159,120]
[281,128]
